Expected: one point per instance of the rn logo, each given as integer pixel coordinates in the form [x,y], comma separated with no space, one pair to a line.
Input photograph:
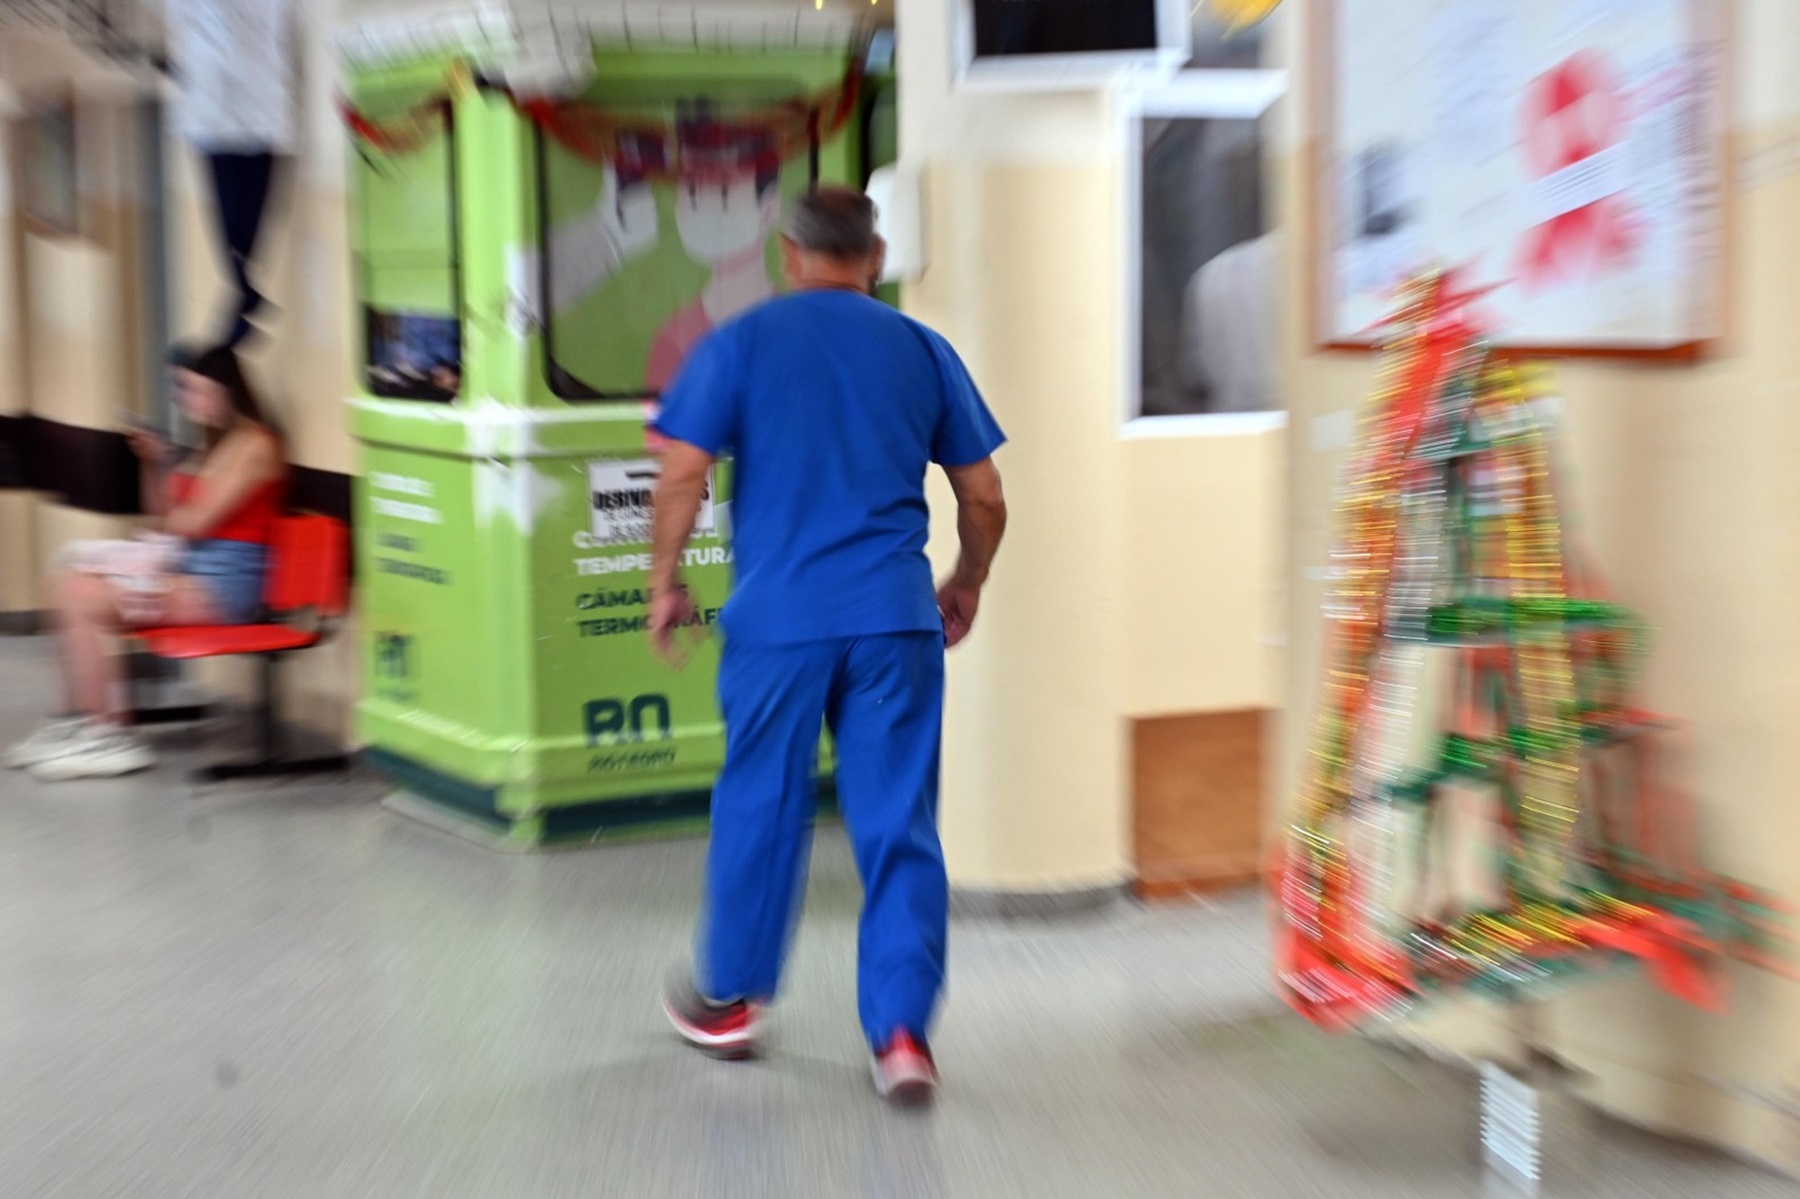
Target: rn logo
[393,656]
[615,722]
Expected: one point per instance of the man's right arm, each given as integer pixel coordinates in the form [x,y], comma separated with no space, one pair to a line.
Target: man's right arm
[980,526]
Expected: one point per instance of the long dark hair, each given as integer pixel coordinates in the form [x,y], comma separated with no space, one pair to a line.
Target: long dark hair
[220,364]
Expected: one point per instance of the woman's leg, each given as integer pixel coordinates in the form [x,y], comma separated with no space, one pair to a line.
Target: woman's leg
[84,618]
[90,610]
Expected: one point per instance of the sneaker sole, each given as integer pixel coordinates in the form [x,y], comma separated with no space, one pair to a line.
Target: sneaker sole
[736,1046]
[912,1089]
[102,770]
[32,760]
[20,758]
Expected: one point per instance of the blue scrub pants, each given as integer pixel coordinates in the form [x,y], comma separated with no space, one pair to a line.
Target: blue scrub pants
[883,699]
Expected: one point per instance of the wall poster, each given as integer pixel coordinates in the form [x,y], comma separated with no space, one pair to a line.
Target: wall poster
[1571,150]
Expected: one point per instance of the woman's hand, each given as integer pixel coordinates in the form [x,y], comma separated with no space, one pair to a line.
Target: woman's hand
[150,448]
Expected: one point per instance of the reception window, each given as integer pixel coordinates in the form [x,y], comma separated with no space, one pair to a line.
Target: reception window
[1204,258]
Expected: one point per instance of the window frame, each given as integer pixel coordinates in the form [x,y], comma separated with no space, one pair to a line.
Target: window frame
[457,298]
[1094,70]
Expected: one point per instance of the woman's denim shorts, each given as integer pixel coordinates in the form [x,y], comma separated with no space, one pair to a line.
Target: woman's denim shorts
[232,573]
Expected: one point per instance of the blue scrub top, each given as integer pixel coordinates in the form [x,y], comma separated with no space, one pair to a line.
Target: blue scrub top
[832,406]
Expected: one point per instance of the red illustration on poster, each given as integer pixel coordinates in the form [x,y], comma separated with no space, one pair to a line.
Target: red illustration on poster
[1575,118]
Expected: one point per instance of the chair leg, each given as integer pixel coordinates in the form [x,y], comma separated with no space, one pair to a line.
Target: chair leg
[268,737]
[144,669]
[185,714]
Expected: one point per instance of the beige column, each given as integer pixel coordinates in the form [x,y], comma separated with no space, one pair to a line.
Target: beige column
[1021,214]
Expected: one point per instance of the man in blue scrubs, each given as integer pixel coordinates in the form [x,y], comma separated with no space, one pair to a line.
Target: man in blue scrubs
[832,406]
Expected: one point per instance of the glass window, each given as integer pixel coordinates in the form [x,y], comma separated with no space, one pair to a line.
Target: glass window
[1215,46]
[408,270]
[1210,268]
[662,225]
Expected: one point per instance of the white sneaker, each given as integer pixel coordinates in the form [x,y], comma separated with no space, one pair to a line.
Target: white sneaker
[51,739]
[103,751]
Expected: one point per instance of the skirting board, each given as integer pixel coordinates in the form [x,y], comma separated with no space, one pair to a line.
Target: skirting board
[23,624]
[1229,875]
[1033,906]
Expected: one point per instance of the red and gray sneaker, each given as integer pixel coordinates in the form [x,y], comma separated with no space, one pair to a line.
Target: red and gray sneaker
[905,1075]
[721,1030]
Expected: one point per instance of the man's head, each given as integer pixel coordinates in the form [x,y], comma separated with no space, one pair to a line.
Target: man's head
[831,241]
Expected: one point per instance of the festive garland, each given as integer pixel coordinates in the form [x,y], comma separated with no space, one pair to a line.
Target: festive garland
[781,133]
[401,133]
[413,127]
[1450,537]
[642,147]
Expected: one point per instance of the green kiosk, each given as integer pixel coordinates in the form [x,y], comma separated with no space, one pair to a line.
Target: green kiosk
[546,216]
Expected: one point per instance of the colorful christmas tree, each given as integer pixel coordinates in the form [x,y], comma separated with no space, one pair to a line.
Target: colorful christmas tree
[1480,808]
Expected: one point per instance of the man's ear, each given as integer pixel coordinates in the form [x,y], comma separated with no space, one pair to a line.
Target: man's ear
[878,262]
[790,259]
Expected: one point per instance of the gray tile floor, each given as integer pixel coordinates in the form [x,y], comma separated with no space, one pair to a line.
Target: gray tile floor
[288,991]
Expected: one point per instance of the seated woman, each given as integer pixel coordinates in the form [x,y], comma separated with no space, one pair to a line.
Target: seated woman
[222,503]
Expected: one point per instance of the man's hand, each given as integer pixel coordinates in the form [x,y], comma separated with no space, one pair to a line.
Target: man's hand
[980,524]
[671,610]
[679,493]
[958,601]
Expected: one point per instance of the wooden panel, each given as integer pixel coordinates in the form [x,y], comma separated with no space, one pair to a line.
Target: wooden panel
[1197,802]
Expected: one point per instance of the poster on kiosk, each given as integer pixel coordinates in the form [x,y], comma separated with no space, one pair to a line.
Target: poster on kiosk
[533,264]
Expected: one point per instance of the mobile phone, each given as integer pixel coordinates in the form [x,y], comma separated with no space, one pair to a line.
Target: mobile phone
[131,420]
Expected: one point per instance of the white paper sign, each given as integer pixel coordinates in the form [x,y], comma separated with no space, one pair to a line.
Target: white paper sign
[619,502]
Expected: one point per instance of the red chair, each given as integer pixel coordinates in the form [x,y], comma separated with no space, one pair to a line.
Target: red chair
[307,595]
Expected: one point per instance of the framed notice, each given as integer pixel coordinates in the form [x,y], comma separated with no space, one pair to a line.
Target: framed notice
[49,195]
[1572,151]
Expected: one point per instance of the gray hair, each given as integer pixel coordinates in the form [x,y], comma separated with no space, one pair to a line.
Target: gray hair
[838,222]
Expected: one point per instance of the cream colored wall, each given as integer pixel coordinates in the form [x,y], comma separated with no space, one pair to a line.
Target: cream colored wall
[76,360]
[1205,572]
[1686,495]
[78,351]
